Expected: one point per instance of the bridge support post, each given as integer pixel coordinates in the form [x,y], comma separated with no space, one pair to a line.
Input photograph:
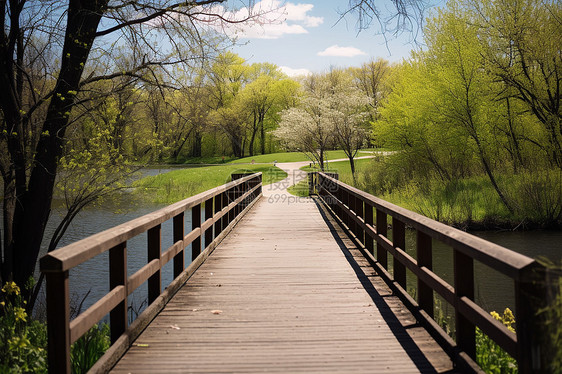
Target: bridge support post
[382,230]
[463,266]
[196,223]
[117,277]
[179,259]
[208,215]
[154,251]
[218,208]
[399,241]
[58,320]
[425,259]
[532,297]
[369,221]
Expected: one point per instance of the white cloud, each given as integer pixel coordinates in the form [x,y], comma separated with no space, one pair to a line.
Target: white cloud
[272,19]
[294,72]
[337,51]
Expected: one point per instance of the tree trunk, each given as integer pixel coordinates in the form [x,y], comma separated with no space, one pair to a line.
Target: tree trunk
[197,142]
[34,203]
[352,165]
[262,135]
[253,137]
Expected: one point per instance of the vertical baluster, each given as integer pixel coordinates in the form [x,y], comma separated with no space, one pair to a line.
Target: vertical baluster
[179,232]
[118,277]
[382,229]
[196,223]
[58,322]
[399,241]
[154,251]
[369,221]
[464,287]
[424,254]
[208,215]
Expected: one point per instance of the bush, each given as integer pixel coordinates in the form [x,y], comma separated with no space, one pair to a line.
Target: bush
[22,340]
[490,356]
[89,348]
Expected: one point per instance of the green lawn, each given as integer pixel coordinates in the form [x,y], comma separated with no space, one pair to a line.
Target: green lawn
[343,169]
[179,184]
[270,158]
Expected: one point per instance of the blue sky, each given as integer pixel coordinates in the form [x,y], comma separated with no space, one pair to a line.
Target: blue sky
[309,36]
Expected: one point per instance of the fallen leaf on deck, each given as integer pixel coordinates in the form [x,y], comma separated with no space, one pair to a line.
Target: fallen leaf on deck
[140,345]
[216,311]
[175,327]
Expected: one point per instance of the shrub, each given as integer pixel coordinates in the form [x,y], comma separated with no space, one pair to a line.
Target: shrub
[490,356]
[89,348]
[22,340]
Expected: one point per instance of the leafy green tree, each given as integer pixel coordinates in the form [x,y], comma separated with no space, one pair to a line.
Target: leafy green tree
[520,42]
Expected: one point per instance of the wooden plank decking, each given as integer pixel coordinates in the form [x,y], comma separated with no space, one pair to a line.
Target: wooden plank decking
[284,293]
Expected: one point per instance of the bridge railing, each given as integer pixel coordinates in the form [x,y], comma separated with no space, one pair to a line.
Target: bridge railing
[223,207]
[366,217]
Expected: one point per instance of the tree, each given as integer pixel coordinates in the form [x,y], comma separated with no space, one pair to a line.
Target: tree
[264,97]
[521,44]
[40,91]
[332,110]
[350,110]
[371,79]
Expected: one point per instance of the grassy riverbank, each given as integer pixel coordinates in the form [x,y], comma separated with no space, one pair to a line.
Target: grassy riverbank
[469,203]
[179,184]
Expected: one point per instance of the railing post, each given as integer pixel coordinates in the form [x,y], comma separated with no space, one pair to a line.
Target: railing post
[58,322]
[399,241]
[154,251]
[345,216]
[260,182]
[224,219]
[382,229]
[196,223]
[208,215]
[218,208]
[531,296]
[463,266]
[360,210]
[179,259]
[369,221]
[117,277]
[425,259]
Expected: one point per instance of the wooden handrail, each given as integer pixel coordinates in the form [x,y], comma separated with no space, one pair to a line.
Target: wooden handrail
[230,201]
[354,208]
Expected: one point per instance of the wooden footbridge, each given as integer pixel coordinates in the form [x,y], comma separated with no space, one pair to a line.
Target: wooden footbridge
[285,284]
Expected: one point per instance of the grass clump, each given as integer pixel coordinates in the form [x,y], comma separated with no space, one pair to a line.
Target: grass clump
[176,185]
[300,189]
[89,348]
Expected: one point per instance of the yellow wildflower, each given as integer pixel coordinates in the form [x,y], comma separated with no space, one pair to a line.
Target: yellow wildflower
[20,314]
[11,288]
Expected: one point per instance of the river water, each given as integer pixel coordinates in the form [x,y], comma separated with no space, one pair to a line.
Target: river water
[90,281]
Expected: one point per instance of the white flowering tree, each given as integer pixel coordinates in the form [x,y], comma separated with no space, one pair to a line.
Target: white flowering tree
[332,112]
